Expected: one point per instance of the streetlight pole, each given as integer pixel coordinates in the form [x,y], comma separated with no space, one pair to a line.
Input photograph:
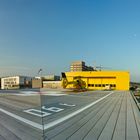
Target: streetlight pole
[41,104]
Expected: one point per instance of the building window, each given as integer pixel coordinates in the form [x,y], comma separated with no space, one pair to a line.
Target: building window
[91,85]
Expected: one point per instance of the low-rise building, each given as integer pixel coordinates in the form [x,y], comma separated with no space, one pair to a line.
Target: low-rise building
[37,82]
[98,80]
[51,78]
[16,82]
[49,81]
[52,84]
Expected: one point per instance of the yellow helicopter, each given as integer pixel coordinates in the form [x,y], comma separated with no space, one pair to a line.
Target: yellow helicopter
[78,83]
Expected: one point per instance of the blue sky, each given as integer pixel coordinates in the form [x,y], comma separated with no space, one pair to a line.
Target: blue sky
[50,34]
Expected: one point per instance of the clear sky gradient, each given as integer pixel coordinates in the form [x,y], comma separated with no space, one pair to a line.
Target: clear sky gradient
[50,34]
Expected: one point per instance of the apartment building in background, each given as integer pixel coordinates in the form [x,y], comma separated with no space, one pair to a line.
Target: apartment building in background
[80,66]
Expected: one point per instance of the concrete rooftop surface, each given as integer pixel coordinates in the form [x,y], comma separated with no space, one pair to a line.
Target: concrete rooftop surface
[104,115]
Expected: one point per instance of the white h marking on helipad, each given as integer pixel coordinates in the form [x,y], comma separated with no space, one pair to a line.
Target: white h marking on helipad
[49,125]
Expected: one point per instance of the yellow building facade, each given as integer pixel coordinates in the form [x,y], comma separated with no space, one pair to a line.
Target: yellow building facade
[101,80]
